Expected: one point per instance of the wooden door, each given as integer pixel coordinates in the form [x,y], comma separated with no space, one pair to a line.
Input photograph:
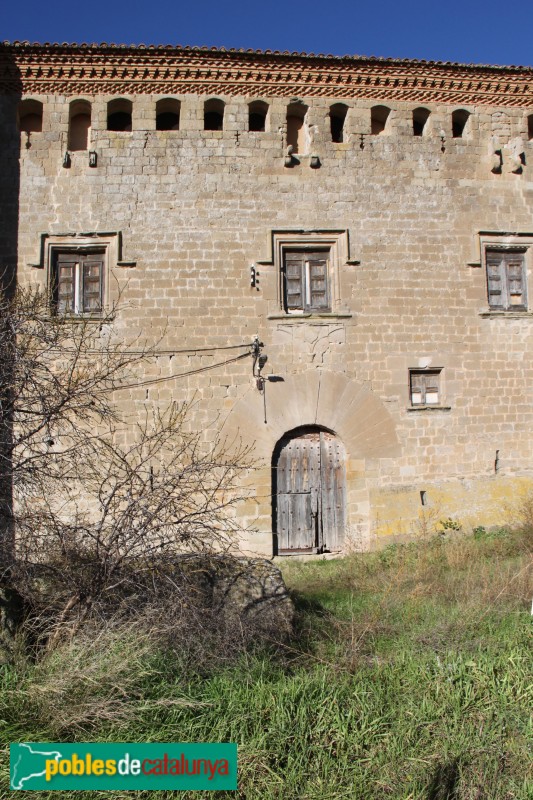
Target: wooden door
[310,493]
[333,491]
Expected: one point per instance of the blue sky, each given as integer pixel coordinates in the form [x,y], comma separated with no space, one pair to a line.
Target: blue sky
[470,31]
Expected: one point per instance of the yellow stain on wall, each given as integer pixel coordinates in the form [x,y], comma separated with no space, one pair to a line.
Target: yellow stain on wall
[465,504]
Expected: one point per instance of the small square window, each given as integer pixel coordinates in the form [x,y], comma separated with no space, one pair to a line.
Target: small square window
[506,278]
[306,280]
[78,281]
[425,387]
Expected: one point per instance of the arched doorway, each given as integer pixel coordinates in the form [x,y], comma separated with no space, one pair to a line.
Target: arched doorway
[309,491]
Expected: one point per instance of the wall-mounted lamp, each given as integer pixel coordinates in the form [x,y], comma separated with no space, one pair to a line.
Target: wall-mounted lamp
[260,381]
[315,162]
[66,159]
[256,354]
[253,276]
[93,158]
[259,361]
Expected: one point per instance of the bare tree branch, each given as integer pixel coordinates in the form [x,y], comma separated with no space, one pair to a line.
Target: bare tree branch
[92,500]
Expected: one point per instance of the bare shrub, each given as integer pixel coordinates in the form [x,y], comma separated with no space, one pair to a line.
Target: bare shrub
[165,493]
[91,500]
[427,523]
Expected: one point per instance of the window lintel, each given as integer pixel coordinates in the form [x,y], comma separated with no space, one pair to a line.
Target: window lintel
[111,241]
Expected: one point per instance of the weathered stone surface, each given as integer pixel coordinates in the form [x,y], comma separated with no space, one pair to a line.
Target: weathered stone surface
[245,591]
[405,218]
[253,590]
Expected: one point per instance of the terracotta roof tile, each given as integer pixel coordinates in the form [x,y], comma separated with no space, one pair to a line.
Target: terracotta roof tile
[250,51]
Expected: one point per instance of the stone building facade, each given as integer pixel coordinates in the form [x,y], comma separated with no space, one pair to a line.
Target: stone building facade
[369,220]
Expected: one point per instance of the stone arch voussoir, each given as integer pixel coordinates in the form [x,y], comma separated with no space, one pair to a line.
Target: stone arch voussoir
[315,397]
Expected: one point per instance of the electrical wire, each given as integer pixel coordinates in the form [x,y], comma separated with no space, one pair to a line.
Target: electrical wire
[193,350]
[156,353]
[162,379]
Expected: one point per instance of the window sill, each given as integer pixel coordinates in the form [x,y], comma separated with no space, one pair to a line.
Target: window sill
[428,408]
[78,319]
[508,314]
[311,315]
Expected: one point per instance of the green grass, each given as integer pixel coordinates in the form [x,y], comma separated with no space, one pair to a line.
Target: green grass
[410,679]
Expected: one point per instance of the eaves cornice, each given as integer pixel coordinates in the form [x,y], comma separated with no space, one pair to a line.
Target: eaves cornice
[126,69]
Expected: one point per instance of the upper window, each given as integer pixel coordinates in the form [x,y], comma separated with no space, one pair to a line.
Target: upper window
[213,115]
[305,280]
[379,119]
[425,387]
[257,116]
[309,267]
[297,134]
[506,278]
[119,115]
[30,115]
[420,118]
[78,281]
[337,120]
[460,123]
[79,125]
[167,114]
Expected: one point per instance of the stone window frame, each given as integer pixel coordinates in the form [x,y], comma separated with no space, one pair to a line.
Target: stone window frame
[437,375]
[336,243]
[107,243]
[510,241]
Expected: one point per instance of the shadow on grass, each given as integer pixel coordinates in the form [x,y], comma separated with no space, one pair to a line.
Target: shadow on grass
[444,782]
[313,626]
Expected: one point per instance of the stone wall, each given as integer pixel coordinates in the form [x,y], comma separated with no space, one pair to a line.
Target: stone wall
[196,209]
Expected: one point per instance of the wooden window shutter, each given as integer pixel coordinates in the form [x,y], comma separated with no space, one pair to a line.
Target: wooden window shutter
[65,278]
[417,389]
[318,281]
[78,282]
[431,389]
[92,280]
[294,281]
[506,279]
[514,267]
[495,276]
[305,281]
[425,387]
